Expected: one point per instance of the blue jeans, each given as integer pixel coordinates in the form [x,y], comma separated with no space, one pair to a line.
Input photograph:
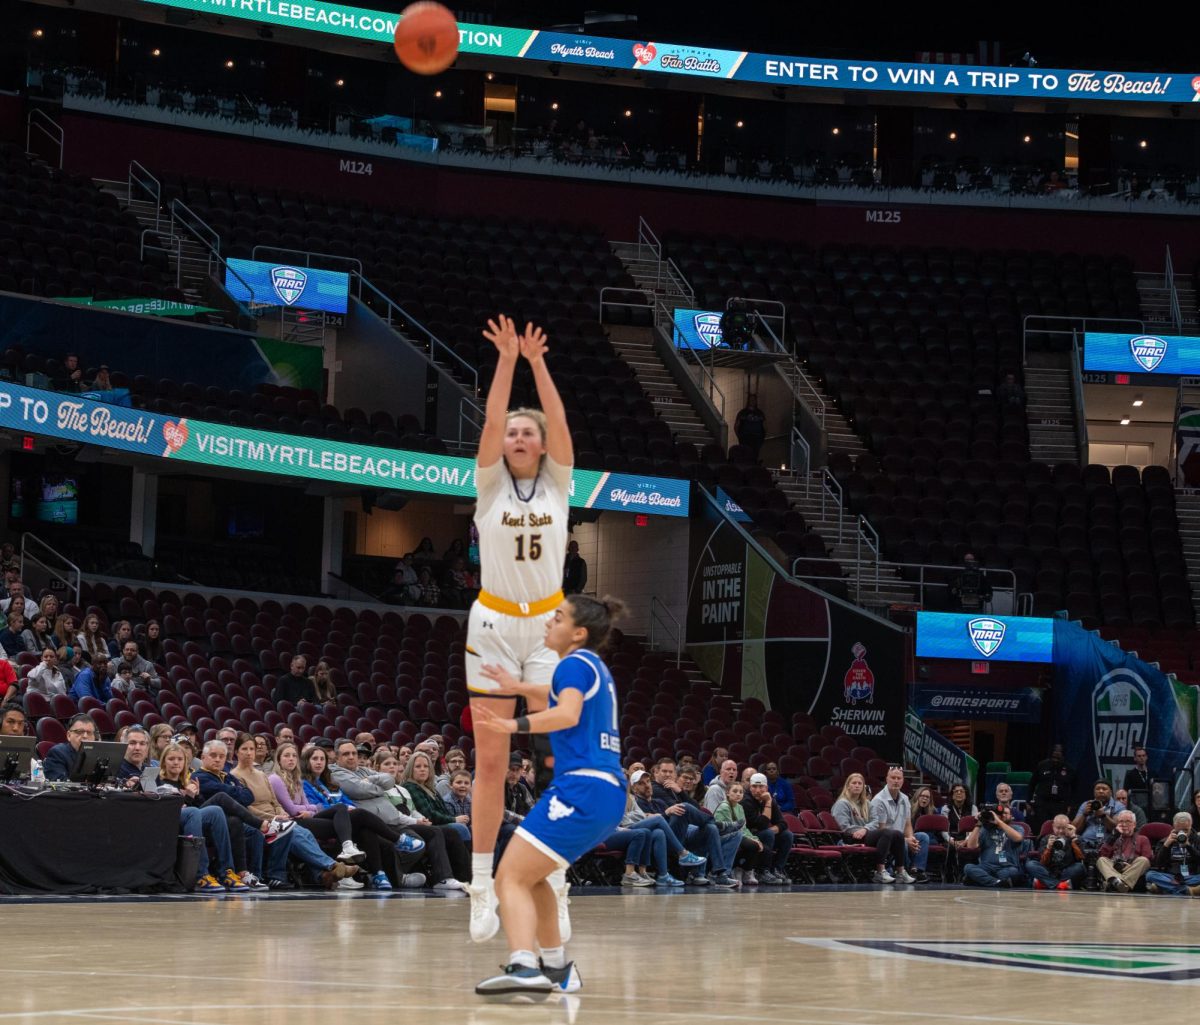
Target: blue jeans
[776,848]
[299,844]
[210,825]
[920,859]
[730,843]
[705,838]
[633,842]
[988,874]
[1169,884]
[255,844]
[1036,870]
[658,824]
[462,830]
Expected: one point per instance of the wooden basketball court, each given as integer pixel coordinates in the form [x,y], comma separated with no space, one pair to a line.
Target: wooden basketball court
[860,955]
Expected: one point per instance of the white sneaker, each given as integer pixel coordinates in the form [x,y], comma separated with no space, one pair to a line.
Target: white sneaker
[485,923]
[882,875]
[903,876]
[737,874]
[561,889]
[412,881]
[349,883]
[516,979]
[351,853]
[251,880]
[449,884]
[749,878]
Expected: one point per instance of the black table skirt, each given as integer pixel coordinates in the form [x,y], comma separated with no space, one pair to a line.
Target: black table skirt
[84,842]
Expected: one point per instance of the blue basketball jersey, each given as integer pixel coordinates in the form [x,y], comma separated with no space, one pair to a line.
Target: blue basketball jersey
[594,742]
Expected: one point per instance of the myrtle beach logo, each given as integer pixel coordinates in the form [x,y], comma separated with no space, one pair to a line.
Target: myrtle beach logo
[986,635]
[1148,351]
[644,52]
[288,283]
[708,327]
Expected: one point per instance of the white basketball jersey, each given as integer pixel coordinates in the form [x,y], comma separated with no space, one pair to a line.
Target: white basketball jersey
[522,544]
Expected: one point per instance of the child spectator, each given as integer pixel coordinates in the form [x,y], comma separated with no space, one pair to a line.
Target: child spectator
[750,849]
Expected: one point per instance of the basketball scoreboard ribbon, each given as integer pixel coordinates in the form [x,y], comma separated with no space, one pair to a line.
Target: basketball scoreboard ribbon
[81,420]
[738,65]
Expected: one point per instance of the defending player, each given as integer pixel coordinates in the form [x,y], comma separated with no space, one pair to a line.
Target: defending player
[523,482]
[578,810]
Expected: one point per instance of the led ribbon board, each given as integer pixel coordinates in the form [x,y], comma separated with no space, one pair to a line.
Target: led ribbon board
[736,65]
[1141,354]
[149,434]
[980,636]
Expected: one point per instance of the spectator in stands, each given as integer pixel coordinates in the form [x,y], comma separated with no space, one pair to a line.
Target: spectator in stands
[715,795]
[574,570]
[49,607]
[1009,394]
[365,740]
[71,663]
[262,753]
[62,760]
[643,812]
[431,594]
[668,790]
[137,757]
[689,780]
[454,761]
[999,845]
[423,554]
[750,426]
[325,823]
[922,804]
[160,739]
[299,843]
[16,638]
[891,809]
[459,799]
[403,754]
[72,374]
[123,682]
[970,589]
[91,639]
[1122,797]
[781,789]
[1137,779]
[1004,797]
[64,629]
[40,635]
[1060,860]
[1124,857]
[1053,784]
[958,807]
[12,721]
[150,641]
[853,813]
[324,692]
[102,382]
[45,678]
[765,820]
[296,686]
[461,586]
[1098,817]
[750,847]
[406,585]
[712,767]
[747,772]
[122,632]
[419,780]
[227,735]
[145,675]
[1177,863]
[10,686]
[518,798]
[14,590]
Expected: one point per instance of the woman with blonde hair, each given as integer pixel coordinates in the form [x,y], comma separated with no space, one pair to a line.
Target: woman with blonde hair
[852,810]
[160,740]
[91,639]
[322,684]
[325,823]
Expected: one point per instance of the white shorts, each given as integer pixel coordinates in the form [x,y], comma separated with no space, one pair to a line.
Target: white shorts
[515,643]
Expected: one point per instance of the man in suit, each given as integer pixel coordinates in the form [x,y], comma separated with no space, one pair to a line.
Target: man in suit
[63,759]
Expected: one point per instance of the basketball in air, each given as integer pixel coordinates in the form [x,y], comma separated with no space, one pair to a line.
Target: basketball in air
[427,38]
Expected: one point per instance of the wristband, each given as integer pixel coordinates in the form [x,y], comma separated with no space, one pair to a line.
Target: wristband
[522,724]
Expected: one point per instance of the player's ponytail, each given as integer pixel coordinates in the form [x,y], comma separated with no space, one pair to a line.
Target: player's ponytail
[596,616]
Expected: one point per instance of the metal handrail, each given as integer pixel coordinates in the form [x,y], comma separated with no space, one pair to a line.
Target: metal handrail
[665,322]
[142,178]
[1173,294]
[869,536]
[811,397]
[657,607]
[466,406]
[801,442]
[679,282]
[213,248]
[308,256]
[1072,324]
[781,316]
[647,238]
[831,487]
[178,211]
[28,537]
[52,130]
[646,304]
[435,343]
[921,583]
[1081,431]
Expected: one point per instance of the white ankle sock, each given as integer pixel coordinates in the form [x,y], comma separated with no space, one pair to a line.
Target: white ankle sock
[524,958]
[481,868]
[554,957]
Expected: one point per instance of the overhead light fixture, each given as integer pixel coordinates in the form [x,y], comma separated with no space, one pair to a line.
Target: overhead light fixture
[437,95]
[1028,138]
[491,76]
[554,105]
[741,124]
[1142,144]
[156,52]
[229,64]
[340,82]
[1124,421]
[953,136]
[1137,401]
[629,113]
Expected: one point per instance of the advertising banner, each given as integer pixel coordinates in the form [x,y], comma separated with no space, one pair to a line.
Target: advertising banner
[950,702]
[996,638]
[153,307]
[1187,446]
[739,65]
[1141,354]
[1107,702]
[134,430]
[698,329]
[934,755]
[792,647]
[275,284]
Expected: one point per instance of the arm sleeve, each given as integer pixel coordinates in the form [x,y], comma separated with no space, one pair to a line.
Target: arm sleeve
[279,789]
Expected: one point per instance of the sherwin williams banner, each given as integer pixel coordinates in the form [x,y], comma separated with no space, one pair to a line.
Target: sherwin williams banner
[134,430]
[275,284]
[1141,354]
[739,65]
[996,638]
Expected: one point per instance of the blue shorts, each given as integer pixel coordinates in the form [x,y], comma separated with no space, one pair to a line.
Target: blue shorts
[573,815]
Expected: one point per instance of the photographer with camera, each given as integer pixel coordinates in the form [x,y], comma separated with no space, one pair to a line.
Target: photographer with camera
[1060,861]
[1177,864]
[1124,856]
[1097,818]
[999,845]
[970,589]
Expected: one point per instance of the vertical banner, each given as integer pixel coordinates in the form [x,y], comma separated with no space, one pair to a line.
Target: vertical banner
[1107,702]
[936,756]
[1187,446]
[791,647]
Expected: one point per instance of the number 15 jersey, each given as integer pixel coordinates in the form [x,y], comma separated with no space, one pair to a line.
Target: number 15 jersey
[522,544]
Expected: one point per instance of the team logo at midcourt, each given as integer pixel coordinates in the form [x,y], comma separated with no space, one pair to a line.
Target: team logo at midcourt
[288,283]
[1148,351]
[708,327]
[986,635]
[1155,962]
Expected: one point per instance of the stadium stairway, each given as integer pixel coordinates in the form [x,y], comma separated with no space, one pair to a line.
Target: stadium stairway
[1154,297]
[1187,509]
[1050,413]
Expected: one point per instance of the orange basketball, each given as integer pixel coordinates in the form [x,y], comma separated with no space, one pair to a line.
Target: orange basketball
[427,38]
